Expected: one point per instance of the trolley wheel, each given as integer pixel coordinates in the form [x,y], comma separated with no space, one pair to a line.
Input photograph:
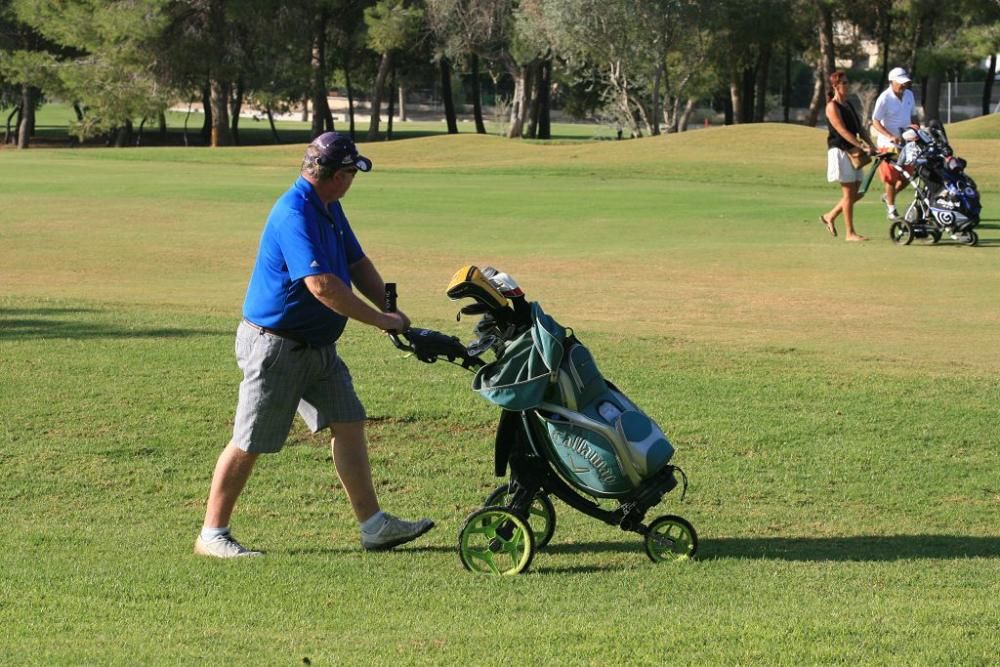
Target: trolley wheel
[671,538]
[971,238]
[933,237]
[496,541]
[901,233]
[541,513]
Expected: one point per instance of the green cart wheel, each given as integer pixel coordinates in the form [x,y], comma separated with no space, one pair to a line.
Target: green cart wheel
[496,541]
[671,538]
[541,514]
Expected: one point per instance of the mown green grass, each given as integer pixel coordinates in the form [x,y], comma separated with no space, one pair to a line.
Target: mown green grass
[834,406]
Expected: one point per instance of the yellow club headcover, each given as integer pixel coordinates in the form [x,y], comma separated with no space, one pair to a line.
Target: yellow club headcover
[469,281]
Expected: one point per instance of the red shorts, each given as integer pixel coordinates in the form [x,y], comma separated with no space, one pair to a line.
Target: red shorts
[889,175]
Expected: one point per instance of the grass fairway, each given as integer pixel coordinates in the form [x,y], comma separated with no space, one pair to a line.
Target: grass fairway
[835,406]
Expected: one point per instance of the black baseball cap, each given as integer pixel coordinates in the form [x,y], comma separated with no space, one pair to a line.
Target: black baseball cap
[337,150]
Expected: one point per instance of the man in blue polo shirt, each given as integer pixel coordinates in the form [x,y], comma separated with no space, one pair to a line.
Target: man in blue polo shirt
[297,304]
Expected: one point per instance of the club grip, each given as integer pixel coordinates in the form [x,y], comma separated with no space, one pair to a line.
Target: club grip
[390,297]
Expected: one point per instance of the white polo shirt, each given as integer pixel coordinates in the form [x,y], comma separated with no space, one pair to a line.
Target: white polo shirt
[894,113]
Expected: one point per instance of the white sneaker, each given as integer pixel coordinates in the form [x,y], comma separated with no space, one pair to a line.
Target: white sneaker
[223,546]
[394,532]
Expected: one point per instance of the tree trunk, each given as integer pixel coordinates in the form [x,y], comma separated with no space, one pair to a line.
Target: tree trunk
[668,107]
[749,76]
[322,118]
[786,93]
[270,121]
[139,139]
[11,133]
[736,96]
[402,105]
[237,107]
[675,115]
[932,97]
[305,109]
[991,71]
[206,105]
[392,106]
[221,136]
[826,45]
[727,110]
[656,104]
[545,100]
[520,74]
[763,66]
[123,137]
[78,111]
[536,82]
[477,96]
[186,118]
[350,92]
[817,101]
[682,126]
[531,107]
[918,41]
[449,102]
[883,10]
[384,65]
[162,119]
[29,95]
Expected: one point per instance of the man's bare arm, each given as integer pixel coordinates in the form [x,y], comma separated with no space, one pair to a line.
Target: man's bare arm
[338,297]
[366,278]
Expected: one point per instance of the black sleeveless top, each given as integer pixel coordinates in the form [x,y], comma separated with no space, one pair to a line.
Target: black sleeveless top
[850,121]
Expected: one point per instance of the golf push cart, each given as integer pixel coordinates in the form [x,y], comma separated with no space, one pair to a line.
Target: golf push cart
[564,431]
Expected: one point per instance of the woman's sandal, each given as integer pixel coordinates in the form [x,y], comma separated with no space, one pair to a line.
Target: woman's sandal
[829,225]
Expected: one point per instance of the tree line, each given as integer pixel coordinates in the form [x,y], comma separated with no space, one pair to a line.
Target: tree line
[642,64]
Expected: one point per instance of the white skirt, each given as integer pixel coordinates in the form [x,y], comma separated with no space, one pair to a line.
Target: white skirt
[839,168]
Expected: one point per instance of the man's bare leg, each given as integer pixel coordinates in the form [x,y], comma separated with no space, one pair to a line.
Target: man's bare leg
[350,457]
[231,474]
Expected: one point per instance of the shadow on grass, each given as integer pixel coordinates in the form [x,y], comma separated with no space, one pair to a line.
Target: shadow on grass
[859,548]
[354,549]
[35,324]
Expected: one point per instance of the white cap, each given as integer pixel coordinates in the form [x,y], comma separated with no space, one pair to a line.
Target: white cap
[898,75]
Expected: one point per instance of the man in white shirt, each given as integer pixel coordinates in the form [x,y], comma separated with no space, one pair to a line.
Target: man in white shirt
[893,113]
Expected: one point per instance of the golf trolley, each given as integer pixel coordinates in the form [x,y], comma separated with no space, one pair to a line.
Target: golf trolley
[564,432]
[945,199]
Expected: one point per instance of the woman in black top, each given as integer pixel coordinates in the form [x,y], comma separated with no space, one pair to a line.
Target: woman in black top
[844,129]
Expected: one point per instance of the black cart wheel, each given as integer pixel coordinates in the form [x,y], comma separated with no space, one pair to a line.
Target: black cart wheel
[901,233]
[671,538]
[971,238]
[541,514]
[933,237]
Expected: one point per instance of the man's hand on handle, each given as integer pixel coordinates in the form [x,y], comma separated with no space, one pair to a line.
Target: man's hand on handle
[395,322]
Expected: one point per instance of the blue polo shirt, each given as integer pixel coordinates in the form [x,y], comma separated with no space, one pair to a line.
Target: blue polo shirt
[302,237]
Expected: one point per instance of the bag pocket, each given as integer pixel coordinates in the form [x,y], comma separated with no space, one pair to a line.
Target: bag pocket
[648,447]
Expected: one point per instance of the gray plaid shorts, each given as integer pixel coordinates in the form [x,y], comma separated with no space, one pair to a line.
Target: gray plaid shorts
[280,377]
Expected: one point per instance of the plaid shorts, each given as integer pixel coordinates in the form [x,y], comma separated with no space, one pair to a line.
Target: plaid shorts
[282,376]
